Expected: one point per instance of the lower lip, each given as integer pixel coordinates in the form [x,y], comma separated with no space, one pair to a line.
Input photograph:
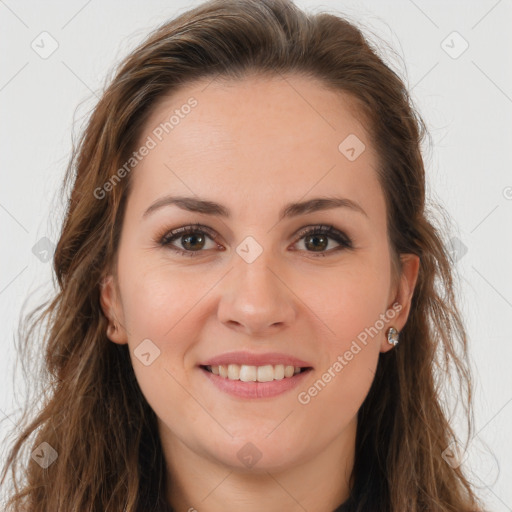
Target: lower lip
[242,389]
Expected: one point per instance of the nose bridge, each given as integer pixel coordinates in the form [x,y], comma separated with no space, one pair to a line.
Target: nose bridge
[255,297]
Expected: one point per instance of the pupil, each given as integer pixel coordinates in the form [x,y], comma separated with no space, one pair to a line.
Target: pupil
[187,238]
[316,247]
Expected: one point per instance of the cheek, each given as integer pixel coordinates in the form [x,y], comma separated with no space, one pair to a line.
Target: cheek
[339,390]
[157,297]
[159,307]
[352,306]
[351,299]
[152,305]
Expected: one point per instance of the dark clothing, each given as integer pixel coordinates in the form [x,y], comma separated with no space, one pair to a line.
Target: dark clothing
[344,507]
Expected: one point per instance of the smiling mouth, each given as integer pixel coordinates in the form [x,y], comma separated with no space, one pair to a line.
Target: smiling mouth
[249,373]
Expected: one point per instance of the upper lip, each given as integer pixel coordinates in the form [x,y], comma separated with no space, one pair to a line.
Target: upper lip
[251,359]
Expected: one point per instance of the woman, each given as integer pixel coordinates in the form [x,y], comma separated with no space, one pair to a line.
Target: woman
[252,300]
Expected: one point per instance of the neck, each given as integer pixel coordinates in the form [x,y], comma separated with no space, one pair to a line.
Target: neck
[320,484]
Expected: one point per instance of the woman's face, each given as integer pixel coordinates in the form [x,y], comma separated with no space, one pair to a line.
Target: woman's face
[251,279]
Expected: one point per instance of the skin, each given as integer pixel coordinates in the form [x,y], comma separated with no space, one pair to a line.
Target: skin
[255,145]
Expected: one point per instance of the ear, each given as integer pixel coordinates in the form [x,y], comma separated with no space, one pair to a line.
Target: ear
[401,296]
[112,309]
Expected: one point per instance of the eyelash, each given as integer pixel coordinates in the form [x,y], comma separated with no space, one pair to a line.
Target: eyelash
[320,229]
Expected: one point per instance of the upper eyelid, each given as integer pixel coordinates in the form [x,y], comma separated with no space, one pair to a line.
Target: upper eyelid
[183,230]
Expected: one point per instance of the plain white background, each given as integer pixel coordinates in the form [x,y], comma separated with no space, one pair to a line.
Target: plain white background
[464,94]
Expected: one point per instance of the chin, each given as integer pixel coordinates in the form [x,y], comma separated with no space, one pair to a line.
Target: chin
[259,455]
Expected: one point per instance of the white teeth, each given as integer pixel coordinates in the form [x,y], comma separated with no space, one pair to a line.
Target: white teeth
[289,371]
[247,373]
[278,372]
[233,371]
[265,373]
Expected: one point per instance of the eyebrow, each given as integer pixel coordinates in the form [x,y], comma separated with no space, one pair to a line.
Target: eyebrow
[194,204]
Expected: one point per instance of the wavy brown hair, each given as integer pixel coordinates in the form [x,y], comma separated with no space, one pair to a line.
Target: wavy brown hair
[92,411]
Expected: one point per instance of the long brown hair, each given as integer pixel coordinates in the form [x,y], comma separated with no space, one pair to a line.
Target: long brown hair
[94,416]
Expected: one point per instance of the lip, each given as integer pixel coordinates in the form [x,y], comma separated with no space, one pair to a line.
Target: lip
[249,390]
[252,359]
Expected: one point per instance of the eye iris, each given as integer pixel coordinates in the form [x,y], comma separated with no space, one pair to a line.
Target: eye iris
[316,247]
[189,246]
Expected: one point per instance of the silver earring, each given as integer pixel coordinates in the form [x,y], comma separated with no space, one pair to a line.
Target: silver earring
[393,336]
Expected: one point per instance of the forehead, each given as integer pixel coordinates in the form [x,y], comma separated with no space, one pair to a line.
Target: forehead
[266,139]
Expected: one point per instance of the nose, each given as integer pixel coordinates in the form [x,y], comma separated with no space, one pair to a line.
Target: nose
[256,299]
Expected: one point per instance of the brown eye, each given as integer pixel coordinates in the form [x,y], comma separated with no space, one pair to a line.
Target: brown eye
[316,240]
[193,242]
[192,239]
